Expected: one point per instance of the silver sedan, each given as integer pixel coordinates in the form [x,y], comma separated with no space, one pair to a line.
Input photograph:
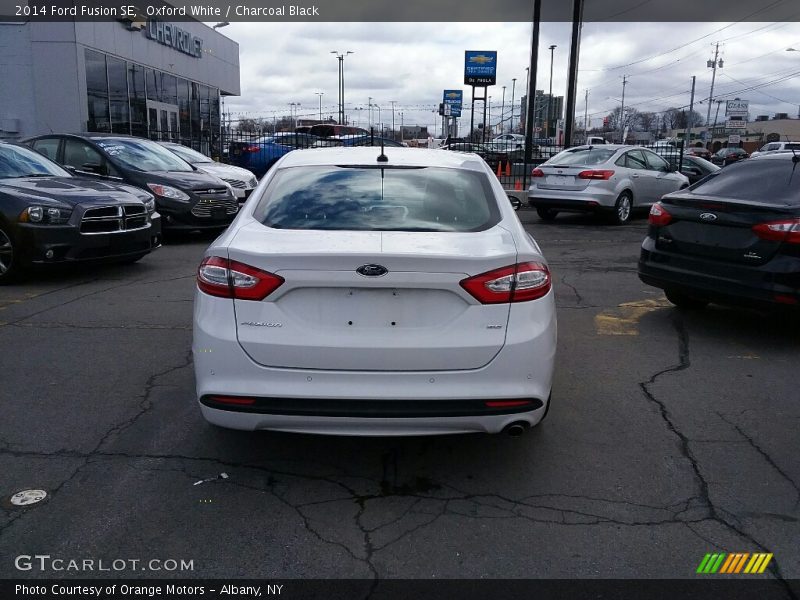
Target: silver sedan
[609,179]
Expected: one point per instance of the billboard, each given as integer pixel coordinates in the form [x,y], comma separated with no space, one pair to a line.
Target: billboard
[737,107]
[480,67]
[454,99]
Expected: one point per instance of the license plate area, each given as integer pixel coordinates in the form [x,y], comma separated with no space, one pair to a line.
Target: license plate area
[559,180]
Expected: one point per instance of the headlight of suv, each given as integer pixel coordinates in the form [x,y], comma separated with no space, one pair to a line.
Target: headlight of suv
[150,205]
[167,191]
[45,215]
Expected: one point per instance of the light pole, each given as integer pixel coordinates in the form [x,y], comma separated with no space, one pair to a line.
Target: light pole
[503,112]
[394,137]
[550,96]
[622,111]
[369,106]
[320,94]
[513,85]
[341,56]
[293,112]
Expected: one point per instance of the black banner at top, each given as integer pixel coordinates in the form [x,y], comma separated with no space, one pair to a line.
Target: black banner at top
[401,11]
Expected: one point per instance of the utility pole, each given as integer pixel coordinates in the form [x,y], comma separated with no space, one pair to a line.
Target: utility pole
[690,121]
[716,115]
[713,65]
[622,111]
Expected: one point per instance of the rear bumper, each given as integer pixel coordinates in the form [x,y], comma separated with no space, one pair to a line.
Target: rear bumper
[404,403]
[776,284]
[590,200]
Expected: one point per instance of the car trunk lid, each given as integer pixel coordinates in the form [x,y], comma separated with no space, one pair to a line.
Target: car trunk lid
[720,229]
[415,317]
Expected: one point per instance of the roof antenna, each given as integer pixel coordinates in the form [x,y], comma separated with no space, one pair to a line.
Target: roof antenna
[382,157]
[795,157]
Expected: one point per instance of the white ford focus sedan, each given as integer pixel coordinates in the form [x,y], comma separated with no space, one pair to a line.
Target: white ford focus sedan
[361,292]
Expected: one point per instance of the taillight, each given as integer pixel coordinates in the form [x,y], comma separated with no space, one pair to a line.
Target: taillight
[515,283]
[253,149]
[659,215]
[603,174]
[226,278]
[787,230]
[537,172]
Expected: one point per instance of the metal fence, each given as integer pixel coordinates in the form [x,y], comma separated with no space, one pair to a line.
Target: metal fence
[258,150]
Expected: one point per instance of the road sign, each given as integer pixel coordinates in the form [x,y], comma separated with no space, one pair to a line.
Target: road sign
[734,139]
[480,67]
[737,107]
[735,124]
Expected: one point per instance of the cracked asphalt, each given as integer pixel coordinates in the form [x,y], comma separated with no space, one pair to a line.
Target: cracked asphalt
[671,435]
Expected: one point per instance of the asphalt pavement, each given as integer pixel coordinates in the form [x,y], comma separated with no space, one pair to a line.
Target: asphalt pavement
[671,435]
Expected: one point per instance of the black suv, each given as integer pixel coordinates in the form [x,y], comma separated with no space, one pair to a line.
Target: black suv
[186,197]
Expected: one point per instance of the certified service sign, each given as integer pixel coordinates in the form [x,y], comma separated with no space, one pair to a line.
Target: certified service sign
[480,67]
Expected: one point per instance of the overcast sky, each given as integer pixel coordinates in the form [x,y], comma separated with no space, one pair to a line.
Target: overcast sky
[411,63]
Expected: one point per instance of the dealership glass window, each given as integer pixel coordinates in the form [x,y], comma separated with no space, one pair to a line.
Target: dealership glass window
[205,107]
[118,95]
[97,91]
[153,85]
[194,115]
[183,108]
[138,100]
[169,88]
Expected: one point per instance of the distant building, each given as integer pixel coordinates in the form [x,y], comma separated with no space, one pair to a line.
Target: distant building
[547,110]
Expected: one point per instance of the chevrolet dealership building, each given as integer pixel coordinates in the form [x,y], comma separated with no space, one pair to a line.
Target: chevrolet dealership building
[148,78]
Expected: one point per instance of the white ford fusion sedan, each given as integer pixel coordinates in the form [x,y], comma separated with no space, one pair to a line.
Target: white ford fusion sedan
[370,292]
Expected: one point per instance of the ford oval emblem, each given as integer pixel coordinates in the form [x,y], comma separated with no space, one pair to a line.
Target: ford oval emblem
[708,216]
[372,270]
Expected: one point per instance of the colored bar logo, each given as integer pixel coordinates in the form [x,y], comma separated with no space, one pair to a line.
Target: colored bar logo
[735,563]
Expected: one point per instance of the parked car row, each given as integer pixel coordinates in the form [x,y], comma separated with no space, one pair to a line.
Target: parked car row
[48,215]
[96,196]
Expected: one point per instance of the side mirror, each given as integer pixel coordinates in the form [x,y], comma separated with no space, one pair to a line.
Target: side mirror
[515,202]
[95,168]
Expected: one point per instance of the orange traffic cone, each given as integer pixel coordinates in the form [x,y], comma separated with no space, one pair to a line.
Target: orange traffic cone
[499,170]
[517,186]
[508,169]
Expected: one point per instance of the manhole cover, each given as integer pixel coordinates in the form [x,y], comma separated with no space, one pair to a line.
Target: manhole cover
[28,497]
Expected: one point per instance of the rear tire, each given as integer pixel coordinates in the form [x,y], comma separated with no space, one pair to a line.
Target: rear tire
[685,301]
[623,209]
[547,214]
[9,257]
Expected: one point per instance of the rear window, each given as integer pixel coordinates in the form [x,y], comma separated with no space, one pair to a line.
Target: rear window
[581,157]
[760,180]
[378,199]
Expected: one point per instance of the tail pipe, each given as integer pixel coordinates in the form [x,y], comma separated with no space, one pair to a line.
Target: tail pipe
[517,428]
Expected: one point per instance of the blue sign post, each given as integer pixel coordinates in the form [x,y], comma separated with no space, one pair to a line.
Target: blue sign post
[480,70]
[455,98]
